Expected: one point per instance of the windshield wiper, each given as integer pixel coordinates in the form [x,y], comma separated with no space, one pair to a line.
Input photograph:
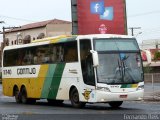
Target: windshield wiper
[123,69]
[119,66]
[120,69]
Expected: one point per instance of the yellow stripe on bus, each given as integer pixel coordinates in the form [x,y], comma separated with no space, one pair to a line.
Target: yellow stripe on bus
[134,85]
[40,81]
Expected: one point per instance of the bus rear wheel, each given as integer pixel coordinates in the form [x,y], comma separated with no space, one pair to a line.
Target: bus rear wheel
[74,98]
[115,104]
[17,95]
[24,96]
[25,99]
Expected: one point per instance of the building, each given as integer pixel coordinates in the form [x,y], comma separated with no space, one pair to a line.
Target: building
[151,54]
[27,33]
[150,44]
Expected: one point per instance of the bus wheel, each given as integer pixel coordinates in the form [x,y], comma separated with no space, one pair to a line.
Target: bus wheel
[17,95]
[116,104]
[55,102]
[74,98]
[24,96]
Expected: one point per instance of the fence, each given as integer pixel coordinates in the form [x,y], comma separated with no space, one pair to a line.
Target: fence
[152,86]
[152,77]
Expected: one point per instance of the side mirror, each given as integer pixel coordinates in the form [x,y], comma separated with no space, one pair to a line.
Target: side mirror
[95,58]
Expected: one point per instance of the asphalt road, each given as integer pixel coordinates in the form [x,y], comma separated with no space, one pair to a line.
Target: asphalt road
[43,111]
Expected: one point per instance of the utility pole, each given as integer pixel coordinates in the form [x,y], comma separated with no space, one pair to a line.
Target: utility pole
[3,32]
[1,46]
[1,21]
[133,28]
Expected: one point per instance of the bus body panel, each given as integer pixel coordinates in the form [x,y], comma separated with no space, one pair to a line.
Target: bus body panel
[33,85]
[70,77]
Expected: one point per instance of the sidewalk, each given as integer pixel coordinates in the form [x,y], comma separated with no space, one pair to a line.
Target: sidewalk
[152,92]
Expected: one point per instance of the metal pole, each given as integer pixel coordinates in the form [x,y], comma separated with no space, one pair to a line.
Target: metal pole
[4,42]
[133,28]
[153,85]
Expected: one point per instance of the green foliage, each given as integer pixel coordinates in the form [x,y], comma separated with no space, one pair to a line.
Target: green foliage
[147,69]
[157,56]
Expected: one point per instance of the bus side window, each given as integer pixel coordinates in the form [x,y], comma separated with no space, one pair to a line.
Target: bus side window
[20,57]
[71,54]
[60,53]
[57,53]
[28,57]
[53,56]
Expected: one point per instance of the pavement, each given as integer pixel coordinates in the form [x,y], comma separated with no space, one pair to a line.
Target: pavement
[152,92]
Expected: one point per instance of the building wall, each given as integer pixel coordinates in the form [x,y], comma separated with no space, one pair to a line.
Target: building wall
[13,36]
[150,44]
[49,30]
[58,29]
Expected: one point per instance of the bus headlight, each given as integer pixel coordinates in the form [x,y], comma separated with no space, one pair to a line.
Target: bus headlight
[140,87]
[103,89]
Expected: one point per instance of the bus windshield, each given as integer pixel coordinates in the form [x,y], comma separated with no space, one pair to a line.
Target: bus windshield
[120,61]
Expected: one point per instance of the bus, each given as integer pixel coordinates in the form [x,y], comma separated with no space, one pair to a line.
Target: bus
[98,68]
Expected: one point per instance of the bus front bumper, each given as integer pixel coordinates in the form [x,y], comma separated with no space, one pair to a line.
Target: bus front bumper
[102,96]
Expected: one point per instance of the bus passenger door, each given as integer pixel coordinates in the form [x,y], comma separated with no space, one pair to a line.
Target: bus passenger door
[88,76]
[87,62]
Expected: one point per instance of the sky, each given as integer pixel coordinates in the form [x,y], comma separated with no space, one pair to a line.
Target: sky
[140,13]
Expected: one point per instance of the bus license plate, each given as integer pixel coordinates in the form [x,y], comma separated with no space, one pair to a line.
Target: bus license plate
[123,96]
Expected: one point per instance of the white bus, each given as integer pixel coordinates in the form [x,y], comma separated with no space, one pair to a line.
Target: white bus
[83,69]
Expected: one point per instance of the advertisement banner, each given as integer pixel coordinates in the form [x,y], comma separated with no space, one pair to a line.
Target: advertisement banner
[101,17]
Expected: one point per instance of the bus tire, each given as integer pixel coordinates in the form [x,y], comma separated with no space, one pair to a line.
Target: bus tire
[115,104]
[17,95]
[74,98]
[24,98]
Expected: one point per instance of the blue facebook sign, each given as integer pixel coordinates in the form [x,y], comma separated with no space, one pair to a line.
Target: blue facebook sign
[97,7]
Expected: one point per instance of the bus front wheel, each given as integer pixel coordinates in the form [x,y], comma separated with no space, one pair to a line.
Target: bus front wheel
[116,104]
[74,98]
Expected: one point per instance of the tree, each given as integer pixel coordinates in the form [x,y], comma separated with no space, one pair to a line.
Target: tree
[157,55]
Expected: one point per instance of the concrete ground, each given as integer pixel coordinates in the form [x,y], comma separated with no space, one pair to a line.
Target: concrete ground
[152,91]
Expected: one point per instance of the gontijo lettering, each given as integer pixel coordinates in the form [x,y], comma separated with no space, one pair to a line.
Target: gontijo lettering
[21,71]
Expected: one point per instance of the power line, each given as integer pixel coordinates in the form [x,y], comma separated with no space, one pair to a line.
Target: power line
[146,13]
[151,31]
[19,19]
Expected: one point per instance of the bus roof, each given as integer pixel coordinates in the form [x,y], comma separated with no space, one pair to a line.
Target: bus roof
[65,38]
[91,36]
